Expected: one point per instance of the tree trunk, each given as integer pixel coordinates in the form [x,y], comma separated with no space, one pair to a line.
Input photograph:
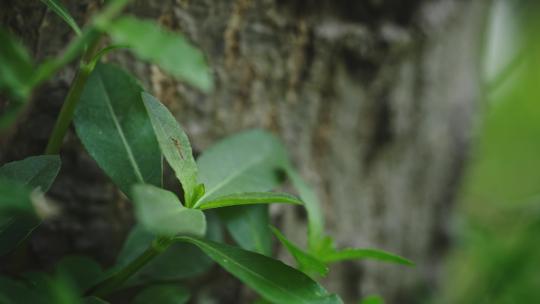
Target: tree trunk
[375,101]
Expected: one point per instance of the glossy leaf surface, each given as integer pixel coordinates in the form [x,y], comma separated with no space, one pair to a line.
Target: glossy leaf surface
[250,198]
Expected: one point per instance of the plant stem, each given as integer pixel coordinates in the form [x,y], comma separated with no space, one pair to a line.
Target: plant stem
[75,91]
[116,280]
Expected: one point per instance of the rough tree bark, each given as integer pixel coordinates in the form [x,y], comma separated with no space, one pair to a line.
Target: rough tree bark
[374,99]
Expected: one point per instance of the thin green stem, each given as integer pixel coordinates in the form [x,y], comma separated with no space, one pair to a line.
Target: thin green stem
[117,279]
[75,91]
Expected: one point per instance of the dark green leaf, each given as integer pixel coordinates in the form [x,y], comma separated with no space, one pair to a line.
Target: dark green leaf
[249,198]
[167,266]
[364,254]
[35,171]
[82,272]
[113,125]
[248,226]
[161,212]
[171,51]
[174,145]
[57,7]
[307,262]
[15,229]
[272,279]
[163,294]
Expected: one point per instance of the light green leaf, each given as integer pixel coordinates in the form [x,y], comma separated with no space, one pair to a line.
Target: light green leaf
[249,198]
[313,207]
[249,227]
[273,280]
[161,212]
[307,262]
[372,300]
[171,51]
[245,162]
[35,171]
[57,7]
[364,254]
[163,294]
[174,145]
[113,125]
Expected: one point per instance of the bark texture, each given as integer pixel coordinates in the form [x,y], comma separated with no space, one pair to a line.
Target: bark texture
[374,99]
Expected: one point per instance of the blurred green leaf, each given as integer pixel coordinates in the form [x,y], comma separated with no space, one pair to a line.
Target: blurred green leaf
[272,279]
[35,171]
[306,262]
[248,226]
[364,254]
[171,51]
[57,7]
[313,207]
[17,216]
[37,288]
[94,300]
[161,212]
[113,125]
[81,271]
[174,145]
[163,294]
[249,198]
[372,300]
[16,67]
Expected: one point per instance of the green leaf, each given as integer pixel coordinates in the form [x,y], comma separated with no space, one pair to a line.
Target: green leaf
[372,300]
[163,294]
[161,212]
[249,227]
[245,162]
[272,279]
[313,207]
[364,254]
[171,51]
[35,171]
[17,68]
[249,198]
[307,262]
[113,125]
[82,272]
[94,300]
[57,7]
[167,266]
[174,145]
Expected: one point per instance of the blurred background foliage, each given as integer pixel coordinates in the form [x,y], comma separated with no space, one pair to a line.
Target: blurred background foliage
[496,258]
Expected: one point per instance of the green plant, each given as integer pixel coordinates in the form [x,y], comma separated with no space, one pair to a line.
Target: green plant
[128,132]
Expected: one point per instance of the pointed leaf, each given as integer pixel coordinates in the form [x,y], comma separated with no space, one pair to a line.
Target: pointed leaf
[57,7]
[113,125]
[171,51]
[35,171]
[249,198]
[249,227]
[245,162]
[161,212]
[307,262]
[163,294]
[174,145]
[313,208]
[364,254]
[272,279]
[16,69]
